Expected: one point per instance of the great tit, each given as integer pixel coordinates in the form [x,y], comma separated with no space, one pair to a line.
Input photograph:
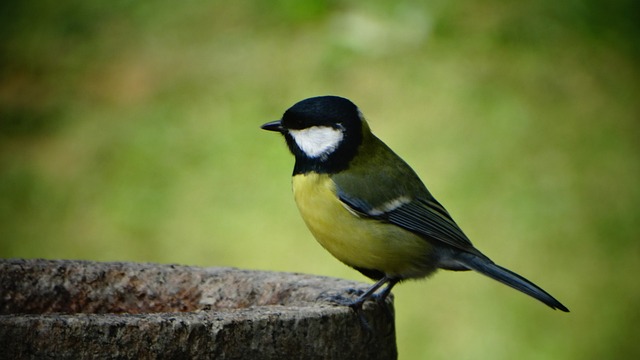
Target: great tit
[369,209]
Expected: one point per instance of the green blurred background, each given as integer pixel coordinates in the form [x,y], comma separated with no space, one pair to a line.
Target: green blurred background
[130,131]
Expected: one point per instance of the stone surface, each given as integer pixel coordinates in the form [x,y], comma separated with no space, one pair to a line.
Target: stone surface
[79,309]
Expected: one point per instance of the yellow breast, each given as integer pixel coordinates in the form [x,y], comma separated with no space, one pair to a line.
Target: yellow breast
[354,240]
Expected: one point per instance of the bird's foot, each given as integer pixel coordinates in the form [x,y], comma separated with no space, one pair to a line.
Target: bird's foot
[381,300]
[342,297]
[357,304]
[345,298]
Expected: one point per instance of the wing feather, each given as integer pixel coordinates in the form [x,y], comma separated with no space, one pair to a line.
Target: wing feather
[397,196]
[425,217]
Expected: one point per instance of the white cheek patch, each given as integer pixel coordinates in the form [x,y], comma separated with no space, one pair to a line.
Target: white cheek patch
[317,141]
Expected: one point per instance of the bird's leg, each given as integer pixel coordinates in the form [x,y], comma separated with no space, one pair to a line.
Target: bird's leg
[382,296]
[357,303]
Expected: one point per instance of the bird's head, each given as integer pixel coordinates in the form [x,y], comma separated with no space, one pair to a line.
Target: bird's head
[323,133]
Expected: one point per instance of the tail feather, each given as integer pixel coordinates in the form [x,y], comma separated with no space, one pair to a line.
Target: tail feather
[508,277]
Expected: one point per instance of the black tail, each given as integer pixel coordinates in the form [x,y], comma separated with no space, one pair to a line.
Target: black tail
[508,277]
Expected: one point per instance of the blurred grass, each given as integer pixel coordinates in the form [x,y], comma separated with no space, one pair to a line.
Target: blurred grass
[130,131]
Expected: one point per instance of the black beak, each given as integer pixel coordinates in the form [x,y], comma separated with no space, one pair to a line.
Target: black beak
[273,126]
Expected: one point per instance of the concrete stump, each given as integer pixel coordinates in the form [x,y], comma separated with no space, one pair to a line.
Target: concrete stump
[63,309]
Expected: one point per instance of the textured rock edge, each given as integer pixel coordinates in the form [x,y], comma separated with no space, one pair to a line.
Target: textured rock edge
[79,309]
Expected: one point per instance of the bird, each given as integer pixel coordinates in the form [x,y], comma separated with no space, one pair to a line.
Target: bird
[369,209]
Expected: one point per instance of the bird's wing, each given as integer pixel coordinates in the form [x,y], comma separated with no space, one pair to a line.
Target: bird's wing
[429,218]
[395,194]
[425,217]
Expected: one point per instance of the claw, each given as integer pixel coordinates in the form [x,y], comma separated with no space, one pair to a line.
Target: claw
[357,304]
